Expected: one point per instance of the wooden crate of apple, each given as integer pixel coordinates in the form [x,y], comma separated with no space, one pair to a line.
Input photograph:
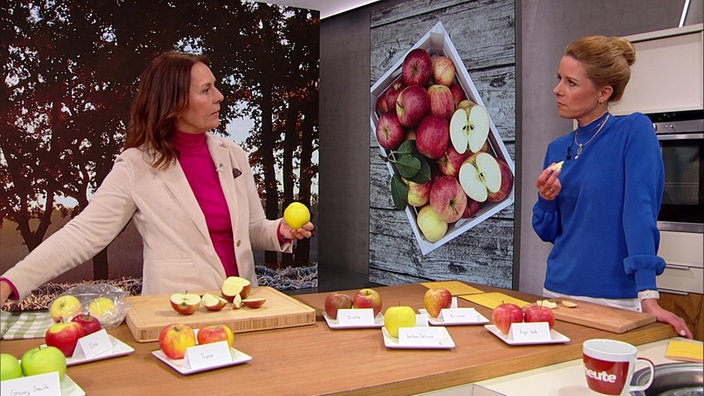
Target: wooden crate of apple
[235,291]
[438,142]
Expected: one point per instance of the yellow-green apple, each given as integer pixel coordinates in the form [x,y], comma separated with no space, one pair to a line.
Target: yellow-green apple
[296,215]
[211,302]
[398,316]
[392,94]
[234,285]
[469,127]
[418,193]
[215,333]
[506,313]
[9,367]
[90,323]
[443,70]
[103,308]
[253,302]
[447,198]
[451,161]
[335,301]
[540,313]
[412,104]
[175,338]
[417,68]
[506,183]
[480,175]
[441,101]
[389,131]
[42,360]
[65,308]
[457,93]
[368,298]
[432,137]
[472,208]
[64,335]
[185,303]
[435,300]
[430,224]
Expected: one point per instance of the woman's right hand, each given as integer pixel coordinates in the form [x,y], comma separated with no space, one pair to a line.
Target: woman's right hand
[548,183]
[5,291]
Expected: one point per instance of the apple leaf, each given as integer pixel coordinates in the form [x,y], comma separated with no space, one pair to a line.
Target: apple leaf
[399,192]
[423,174]
[407,147]
[407,165]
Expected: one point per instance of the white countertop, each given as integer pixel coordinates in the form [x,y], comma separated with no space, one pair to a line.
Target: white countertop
[563,379]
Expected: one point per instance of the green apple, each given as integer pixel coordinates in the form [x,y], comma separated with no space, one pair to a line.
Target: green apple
[398,316]
[44,360]
[9,367]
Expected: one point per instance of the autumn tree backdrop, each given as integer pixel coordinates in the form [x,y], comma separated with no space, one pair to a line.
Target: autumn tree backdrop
[70,69]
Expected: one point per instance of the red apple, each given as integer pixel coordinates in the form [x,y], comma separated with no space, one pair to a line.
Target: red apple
[435,300]
[417,68]
[389,131]
[540,313]
[418,193]
[185,303]
[432,136]
[472,208]
[368,298]
[458,94]
[441,101]
[392,94]
[175,338]
[505,314]
[64,335]
[215,333]
[506,183]
[381,106]
[443,70]
[335,301]
[90,323]
[412,104]
[451,161]
[448,199]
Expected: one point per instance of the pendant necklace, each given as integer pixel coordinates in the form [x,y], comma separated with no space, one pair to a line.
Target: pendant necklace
[580,146]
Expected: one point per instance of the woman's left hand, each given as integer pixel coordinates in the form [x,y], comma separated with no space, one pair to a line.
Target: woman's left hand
[548,183]
[306,231]
[651,306]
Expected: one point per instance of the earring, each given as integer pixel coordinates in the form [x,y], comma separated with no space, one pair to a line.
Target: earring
[599,102]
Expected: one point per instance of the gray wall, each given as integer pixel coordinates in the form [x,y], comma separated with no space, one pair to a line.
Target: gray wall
[544,28]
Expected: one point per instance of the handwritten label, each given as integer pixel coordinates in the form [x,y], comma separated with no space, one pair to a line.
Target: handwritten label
[208,355]
[360,316]
[419,336]
[35,385]
[93,345]
[530,331]
[458,315]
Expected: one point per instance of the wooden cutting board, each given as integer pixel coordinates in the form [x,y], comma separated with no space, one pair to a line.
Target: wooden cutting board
[148,315]
[601,317]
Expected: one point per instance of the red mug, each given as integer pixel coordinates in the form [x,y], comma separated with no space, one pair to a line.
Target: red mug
[609,366]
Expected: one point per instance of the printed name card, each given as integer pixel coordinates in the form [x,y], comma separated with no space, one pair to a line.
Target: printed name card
[208,355]
[458,315]
[530,331]
[35,385]
[360,316]
[93,345]
[419,336]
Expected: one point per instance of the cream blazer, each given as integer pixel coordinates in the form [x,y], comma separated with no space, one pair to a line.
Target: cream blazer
[178,253]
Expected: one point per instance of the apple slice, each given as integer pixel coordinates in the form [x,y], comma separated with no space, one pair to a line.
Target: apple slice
[234,285]
[469,127]
[253,302]
[185,303]
[212,302]
[237,302]
[480,174]
[556,166]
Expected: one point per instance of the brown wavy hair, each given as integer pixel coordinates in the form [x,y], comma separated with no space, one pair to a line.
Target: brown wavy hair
[607,61]
[161,97]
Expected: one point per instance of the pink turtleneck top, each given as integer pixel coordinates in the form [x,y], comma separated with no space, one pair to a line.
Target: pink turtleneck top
[201,173]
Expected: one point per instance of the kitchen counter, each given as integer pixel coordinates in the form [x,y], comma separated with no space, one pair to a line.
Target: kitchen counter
[315,359]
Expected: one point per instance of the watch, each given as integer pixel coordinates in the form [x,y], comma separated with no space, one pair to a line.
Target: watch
[646,294]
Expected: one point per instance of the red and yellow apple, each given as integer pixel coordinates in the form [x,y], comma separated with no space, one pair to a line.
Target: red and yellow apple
[430,224]
[447,198]
[412,104]
[451,161]
[469,127]
[443,70]
[64,336]
[505,314]
[398,316]
[215,333]
[481,175]
[442,102]
[65,307]
[457,93]
[472,208]
[539,313]
[175,338]
[417,68]
[234,285]
[432,136]
[392,94]
[335,301]
[418,193]
[368,298]
[185,303]
[435,300]
[90,323]
[211,302]
[42,360]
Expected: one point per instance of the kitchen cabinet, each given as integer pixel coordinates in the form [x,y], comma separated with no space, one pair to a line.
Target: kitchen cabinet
[690,307]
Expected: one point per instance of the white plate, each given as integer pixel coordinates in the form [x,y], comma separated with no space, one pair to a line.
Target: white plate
[446,341]
[440,322]
[555,337]
[181,365]
[334,324]
[70,388]
[119,348]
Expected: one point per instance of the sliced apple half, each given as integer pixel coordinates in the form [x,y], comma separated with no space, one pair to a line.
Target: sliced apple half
[253,302]
[469,127]
[234,285]
[480,174]
[211,302]
[184,303]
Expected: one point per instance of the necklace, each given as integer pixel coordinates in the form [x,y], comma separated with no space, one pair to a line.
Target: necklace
[580,146]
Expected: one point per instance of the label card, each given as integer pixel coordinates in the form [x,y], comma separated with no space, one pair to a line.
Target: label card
[458,315]
[453,304]
[530,331]
[421,320]
[93,345]
[360,316]
[208,355]
[419,336]
[36,385]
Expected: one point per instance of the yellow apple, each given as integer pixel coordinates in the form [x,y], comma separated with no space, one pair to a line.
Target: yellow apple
[296,215]
[102,308]
[430,224]
[398,316]
[65,308]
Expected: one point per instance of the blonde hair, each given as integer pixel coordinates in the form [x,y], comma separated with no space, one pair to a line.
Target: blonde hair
[607,61]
